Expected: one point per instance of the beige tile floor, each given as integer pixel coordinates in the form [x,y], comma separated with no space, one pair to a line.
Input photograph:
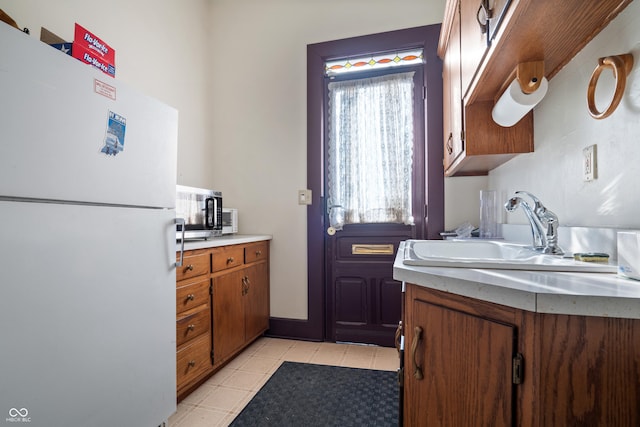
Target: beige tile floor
[222,397]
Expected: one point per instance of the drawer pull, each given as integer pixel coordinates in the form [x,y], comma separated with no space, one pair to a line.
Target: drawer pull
[192,363]
[258,253]
[191,297]
[191,327]
[189,267]
[229,260]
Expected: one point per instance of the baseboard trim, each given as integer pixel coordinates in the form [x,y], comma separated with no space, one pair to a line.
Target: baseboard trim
[293,329]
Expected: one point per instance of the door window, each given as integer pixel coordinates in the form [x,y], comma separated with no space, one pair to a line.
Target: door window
[370,150]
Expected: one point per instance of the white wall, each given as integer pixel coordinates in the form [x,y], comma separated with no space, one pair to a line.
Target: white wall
[161,50]
[259,113]
[563,127]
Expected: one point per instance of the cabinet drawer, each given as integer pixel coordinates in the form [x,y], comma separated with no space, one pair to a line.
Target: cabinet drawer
[227,256]
[194,264]
[193,325]
[193,361]
[256,252]
[192,294]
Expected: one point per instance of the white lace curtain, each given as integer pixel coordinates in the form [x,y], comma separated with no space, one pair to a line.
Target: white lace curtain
[370,150]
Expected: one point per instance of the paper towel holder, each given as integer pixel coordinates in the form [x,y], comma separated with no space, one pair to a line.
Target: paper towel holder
[526,83]
[621,65]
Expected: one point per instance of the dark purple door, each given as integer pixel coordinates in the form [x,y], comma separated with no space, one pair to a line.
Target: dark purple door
[364,300]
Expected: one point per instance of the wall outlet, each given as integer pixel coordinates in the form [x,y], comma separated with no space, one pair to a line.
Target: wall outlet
[589,163]
[304,197]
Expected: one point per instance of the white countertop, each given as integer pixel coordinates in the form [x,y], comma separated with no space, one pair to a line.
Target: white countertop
[588,294]
[231,239]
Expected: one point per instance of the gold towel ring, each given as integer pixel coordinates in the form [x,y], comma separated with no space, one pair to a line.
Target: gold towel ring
[621,65]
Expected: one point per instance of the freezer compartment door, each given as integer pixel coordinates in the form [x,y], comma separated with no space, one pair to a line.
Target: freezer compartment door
[71,132]
[87,314]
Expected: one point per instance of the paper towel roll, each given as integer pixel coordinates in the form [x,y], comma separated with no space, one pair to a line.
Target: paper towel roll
[515,104]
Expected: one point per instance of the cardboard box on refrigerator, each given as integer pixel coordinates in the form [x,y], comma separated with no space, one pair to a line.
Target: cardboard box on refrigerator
[86,47]
[90,49]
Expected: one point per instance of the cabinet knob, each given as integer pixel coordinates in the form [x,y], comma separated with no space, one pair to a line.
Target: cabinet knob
[229,260]
[191,327]
[258,253]
[191,297]
[189,267]
[192,363]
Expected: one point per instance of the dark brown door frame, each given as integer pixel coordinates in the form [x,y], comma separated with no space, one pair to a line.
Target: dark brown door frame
[427,36]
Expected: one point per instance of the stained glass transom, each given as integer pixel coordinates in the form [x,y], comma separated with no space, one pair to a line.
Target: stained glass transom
[361,63]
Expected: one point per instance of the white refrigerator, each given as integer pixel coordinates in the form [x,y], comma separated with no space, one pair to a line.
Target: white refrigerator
[87,244]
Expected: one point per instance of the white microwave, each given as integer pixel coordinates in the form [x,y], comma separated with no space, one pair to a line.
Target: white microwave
[229,221]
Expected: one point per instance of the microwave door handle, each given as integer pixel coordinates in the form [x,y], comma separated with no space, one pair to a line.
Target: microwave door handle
[209,208]
[216,225]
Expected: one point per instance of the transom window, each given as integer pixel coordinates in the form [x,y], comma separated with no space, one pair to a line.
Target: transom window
[361,63]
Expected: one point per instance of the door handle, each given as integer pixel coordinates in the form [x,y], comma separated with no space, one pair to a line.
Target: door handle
[398,335]
[417,336]
[181,221]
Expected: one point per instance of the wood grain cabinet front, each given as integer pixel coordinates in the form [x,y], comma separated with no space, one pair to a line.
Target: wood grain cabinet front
[240,300]
[226,257]
[193,319]
[193,324]
[474,363]
[193,361]
[195,263]
[477,68]
[193,293]
[222,306]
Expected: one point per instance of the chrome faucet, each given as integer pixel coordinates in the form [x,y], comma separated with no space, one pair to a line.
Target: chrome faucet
[544,223]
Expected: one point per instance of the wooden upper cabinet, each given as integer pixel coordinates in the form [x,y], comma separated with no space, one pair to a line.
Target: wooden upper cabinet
[532,30]
[452,97]
[473,39]
[519,31]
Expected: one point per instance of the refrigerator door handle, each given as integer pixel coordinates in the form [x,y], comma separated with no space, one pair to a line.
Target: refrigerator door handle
[181,221]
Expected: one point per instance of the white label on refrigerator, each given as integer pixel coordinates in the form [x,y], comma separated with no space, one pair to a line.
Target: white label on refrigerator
[101,88]
[114,136]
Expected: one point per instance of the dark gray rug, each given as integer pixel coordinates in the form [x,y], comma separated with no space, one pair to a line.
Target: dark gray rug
[302,394]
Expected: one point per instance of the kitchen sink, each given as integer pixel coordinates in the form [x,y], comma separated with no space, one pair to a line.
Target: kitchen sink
[492,254]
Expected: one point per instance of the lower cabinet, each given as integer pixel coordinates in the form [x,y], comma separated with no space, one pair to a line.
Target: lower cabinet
[222,305]
[472,363]
[241,303]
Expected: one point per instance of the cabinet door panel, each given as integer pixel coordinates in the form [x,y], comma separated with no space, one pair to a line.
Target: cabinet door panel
[257,300]
[452,98]
[228,315]
[466,363]
[473,42]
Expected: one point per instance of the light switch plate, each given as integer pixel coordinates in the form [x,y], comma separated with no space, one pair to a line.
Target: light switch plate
[304,197]
[590,163]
